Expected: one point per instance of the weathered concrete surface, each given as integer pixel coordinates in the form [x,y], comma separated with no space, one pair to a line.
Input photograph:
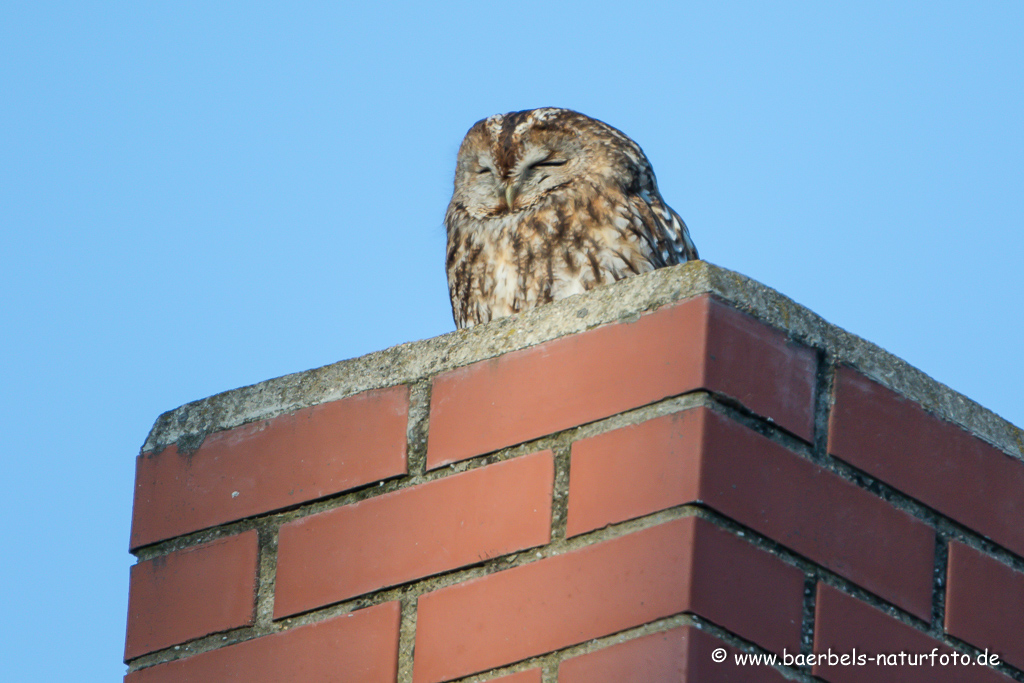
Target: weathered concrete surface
[620,301]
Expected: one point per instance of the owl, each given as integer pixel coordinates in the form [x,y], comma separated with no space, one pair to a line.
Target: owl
[549,203]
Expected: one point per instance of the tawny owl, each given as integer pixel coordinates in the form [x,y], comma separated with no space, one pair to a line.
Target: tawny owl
[549,203]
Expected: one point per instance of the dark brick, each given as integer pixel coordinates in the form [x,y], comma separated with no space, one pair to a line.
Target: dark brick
[681,655]
[936,462]
[701,455]
[843,623]
[985,603]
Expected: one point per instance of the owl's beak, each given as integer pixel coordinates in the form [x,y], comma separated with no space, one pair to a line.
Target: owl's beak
[510,194]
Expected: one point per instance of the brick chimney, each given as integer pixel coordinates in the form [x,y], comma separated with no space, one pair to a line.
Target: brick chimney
[627,485]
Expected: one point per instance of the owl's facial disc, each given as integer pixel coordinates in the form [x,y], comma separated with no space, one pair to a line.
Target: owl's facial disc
[540,169]
[509,164]
[531,173]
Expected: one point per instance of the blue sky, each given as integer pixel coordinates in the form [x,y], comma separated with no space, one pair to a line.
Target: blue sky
[199,196]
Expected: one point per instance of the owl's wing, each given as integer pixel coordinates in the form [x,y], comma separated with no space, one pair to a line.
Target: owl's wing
[671,233]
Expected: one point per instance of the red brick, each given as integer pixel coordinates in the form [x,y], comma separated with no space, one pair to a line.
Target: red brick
[701,455]
[761,368]
[699,343]
[843,623]
[985,603]
[938,463]
[191,593]
[415,532]
[358,647]
[634,471]
[272,464]
[682,655]
[685,565]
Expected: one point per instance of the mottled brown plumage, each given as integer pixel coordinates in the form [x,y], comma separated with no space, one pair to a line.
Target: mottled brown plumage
[549,203]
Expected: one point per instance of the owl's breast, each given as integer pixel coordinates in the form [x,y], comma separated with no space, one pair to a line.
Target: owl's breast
[567,245]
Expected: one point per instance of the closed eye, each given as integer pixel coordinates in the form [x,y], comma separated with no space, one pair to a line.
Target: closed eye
[484,170]
[551,162]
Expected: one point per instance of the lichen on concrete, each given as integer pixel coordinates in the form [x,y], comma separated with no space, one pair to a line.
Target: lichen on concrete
[617,302]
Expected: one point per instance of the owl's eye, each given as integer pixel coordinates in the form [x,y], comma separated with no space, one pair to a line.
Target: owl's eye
[484,169]
[552,162]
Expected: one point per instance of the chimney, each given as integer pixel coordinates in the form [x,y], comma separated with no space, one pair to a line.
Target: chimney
[684,476]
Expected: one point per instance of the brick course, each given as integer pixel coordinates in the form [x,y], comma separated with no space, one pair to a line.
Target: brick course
[191,593]
[679,566]
[680,655]
[482,556]
[415,532]
[700,455]
[938,463]
[699,343]
[272,464]
[359,647]
[845,625]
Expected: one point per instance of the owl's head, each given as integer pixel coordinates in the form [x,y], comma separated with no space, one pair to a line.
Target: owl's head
[510,162]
